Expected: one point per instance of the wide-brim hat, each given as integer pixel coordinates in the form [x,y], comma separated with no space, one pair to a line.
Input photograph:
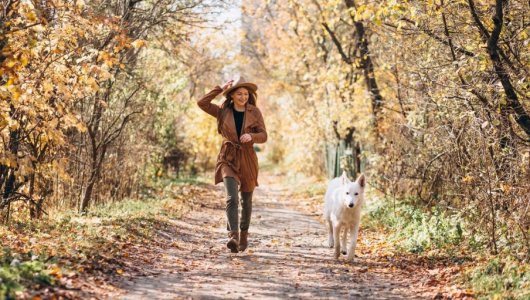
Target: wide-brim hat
[241,82]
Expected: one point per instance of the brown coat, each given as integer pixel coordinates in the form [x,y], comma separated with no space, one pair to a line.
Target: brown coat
[235,159]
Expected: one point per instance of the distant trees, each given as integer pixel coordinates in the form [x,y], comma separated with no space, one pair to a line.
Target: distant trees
[437,92]
[77,97]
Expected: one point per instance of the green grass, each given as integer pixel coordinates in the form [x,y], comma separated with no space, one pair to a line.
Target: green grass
[129,208]
[437,234]
[186,180]
[416,230]
[500,278]
[30,261]
[18,271]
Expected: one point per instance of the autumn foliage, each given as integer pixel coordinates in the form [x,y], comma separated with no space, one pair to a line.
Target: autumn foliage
[98,98]
[85,116]
[436,93]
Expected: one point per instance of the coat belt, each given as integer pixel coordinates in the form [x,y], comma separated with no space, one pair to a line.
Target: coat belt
[232,154]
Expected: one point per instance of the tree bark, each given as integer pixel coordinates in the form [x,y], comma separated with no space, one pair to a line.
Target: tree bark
[521,117]
[10,180]
[366,63]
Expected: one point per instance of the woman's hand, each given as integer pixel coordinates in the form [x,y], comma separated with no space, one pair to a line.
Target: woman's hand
[245,138]
[227,85]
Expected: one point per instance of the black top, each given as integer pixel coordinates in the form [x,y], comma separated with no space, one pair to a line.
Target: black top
[238,118]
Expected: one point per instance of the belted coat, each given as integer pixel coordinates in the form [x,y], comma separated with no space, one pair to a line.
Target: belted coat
[236,159]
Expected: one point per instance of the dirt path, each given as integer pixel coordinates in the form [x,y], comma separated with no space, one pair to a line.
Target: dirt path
[287,258]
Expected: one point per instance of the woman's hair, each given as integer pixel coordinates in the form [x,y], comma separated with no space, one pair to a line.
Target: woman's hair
[229,104]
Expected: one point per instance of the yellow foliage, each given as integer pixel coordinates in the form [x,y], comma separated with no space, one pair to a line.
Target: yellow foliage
[138,43]
[468,179]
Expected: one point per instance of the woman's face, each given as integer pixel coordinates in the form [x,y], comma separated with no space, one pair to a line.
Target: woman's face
[240,96]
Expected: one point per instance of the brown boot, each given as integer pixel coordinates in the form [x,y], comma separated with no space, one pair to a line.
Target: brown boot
[243,243]
[233,243]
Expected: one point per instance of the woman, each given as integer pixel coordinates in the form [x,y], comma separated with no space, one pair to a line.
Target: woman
[241,124]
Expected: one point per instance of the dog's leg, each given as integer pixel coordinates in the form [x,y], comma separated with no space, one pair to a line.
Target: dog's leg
[353,243]
[330,233]
[336,238]
[343,246]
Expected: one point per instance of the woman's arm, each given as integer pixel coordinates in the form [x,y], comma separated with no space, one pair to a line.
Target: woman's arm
[260,134]
[205,102]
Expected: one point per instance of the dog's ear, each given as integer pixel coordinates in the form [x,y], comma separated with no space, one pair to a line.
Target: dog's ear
[361,180]
[345,179]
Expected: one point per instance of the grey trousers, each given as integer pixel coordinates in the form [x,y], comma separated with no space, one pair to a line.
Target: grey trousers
[232,205]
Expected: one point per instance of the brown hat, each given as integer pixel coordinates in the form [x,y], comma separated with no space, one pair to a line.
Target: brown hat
[241,82]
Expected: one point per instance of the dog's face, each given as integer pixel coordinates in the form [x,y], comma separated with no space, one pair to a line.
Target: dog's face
[352,192]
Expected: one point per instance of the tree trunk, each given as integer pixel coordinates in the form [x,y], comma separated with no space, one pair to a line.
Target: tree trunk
[88,195]
[9,186]
[97,164]
[521,115]
[366,63]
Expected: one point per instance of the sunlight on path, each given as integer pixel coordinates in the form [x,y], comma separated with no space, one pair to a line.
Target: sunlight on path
[287,258]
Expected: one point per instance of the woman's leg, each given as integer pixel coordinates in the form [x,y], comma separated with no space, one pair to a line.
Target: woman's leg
[232,200]
[246,210]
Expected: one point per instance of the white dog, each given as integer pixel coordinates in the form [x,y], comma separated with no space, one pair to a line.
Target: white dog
[342,210]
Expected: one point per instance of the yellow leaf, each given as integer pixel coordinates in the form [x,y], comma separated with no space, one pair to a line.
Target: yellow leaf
[505,188]
[24,60]
[56,271]
[138,43]
[15,93]
[10,63]
[81,127]
[467,179]
[31,16]
[10,81]
[47,86]
[8,162]
[4,94]
[119,271]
